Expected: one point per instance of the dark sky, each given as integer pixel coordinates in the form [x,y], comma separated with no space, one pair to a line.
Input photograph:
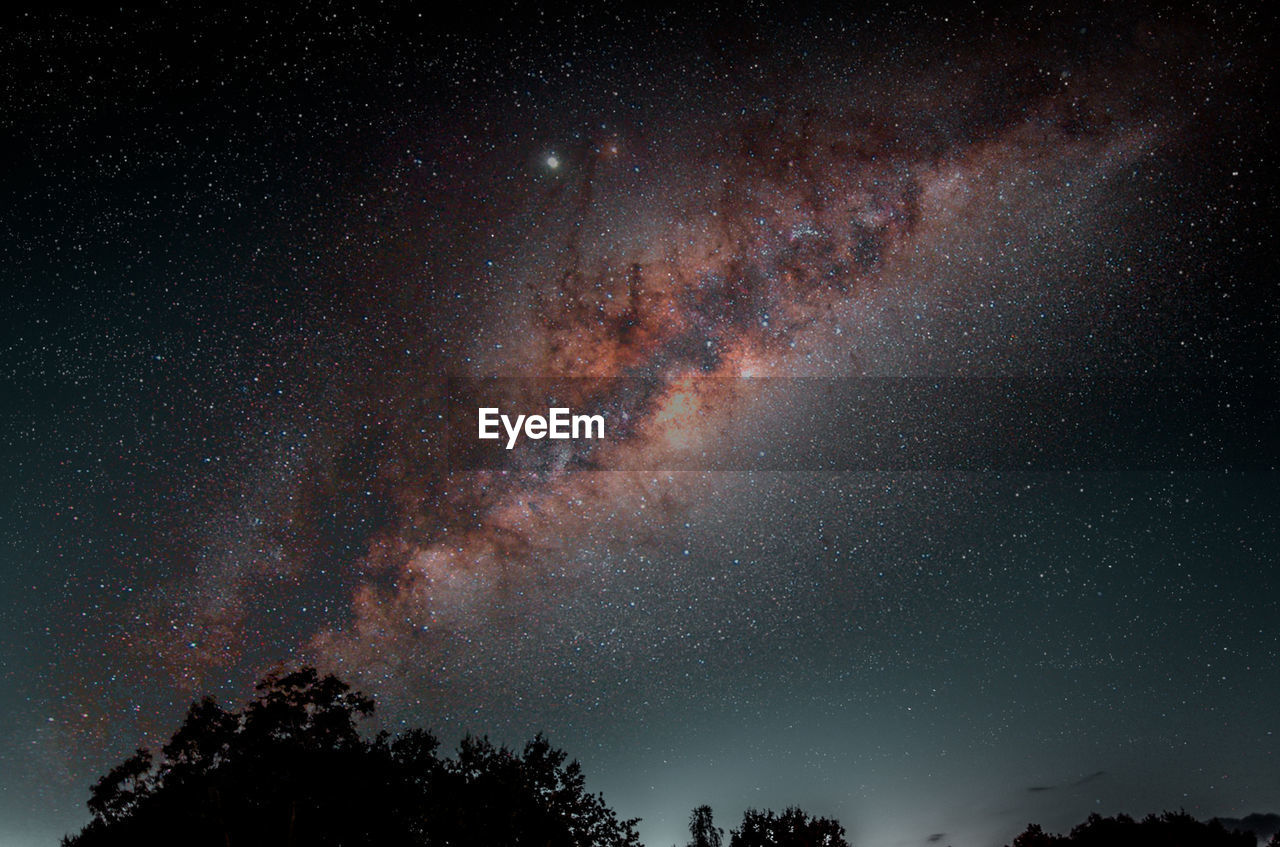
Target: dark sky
[242,251]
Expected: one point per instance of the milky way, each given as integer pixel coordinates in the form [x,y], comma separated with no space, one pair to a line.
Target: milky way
[654,212]
[764,223]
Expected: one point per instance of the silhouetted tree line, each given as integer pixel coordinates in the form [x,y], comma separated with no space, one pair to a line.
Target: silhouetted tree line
[1170,829]
[793,828]
[291,768]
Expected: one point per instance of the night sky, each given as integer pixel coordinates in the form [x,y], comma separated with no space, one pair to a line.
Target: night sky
[244,251]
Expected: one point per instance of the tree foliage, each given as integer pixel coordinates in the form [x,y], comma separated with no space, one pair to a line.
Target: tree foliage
[292,768]
[1168,828]
[702,828]
[793,828]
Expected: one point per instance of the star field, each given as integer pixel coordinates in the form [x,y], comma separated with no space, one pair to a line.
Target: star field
[245,252]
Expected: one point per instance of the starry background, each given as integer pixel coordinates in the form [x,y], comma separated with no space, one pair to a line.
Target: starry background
[242,249]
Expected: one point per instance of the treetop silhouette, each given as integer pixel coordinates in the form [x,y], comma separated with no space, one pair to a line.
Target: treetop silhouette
[291,768]
[1169,828]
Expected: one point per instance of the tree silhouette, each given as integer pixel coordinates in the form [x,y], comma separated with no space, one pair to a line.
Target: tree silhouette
[115,796]
[292,768]
[1168,828]
[703,829]
[491,796]
[793,828]
[1035,836]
